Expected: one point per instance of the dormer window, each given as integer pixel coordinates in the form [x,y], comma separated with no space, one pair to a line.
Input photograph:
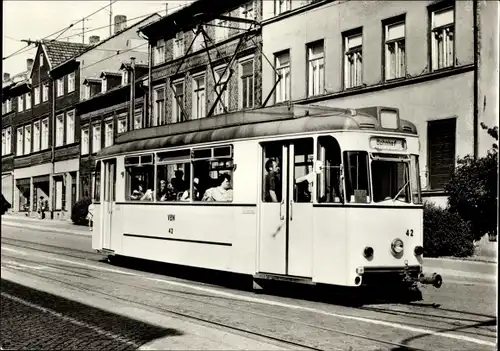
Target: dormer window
[104,85]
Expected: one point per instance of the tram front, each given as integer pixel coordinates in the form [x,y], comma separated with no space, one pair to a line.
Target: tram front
[383,211]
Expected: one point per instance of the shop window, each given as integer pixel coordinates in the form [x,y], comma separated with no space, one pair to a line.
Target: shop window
[140,177]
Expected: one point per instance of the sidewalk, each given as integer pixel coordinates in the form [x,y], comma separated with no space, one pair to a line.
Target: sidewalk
[51,225]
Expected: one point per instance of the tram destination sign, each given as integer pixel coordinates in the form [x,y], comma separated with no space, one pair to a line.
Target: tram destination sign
[393,144]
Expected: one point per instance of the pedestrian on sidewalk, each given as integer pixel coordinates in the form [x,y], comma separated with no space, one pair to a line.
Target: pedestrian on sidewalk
[90,215]
[42,207]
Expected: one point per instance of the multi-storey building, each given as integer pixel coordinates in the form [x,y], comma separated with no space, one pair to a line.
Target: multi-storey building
[46,127]
[418,56]
[12,88]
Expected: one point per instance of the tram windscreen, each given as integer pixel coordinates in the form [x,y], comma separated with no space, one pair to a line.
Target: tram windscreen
[391,181]
[356,177]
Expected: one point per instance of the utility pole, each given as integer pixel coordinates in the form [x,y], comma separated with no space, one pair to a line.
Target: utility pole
[110,17]
[130,125]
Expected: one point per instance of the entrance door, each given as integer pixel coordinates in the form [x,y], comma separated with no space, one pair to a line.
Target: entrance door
[109,199]
[286,225]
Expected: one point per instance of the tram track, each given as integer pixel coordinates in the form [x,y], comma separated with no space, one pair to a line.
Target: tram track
[182,295]
[191,316]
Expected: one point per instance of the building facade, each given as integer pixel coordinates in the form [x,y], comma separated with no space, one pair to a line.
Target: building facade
[418,56]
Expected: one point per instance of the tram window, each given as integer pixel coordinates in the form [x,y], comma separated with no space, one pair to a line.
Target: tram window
[173,180]
[390,180]
[140,178]
[330,188]
[212,177]
[303,170]
[271,173]
[415,180]
[356,177]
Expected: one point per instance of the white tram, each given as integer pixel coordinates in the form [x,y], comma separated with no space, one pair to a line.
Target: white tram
[314,194]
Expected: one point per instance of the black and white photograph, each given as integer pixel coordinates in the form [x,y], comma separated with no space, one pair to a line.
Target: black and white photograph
[249,175]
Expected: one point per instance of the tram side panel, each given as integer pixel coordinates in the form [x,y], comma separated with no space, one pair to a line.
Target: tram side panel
[97,230]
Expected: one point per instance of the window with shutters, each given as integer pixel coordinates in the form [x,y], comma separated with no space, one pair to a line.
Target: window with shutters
[284,85]
[36,136]
[45,134]
[221,77]
[27,139]
[441,140]
[59,130]
[70,127]
[85,141]
[246,84]
[442,38]
[177,101]
[353,60]
[199,97]
[395,50]
[159,106]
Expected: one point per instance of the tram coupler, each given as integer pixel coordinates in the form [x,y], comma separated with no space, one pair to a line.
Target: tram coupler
[433,279]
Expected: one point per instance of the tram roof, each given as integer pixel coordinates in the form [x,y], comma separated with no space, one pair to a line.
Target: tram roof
[262,122]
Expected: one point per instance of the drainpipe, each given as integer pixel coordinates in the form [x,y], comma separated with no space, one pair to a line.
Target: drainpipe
[132,59]
[476,78]
[149,111]
[52,187]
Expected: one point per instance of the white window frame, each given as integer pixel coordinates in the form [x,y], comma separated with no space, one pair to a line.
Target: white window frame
[4,142]
[41,60]
[70,127]
[159,52]
[59,130]
[20,141]
[8,141]
[241,63]
[8,105]
[27,139]
[443,27]
[224,100]
[176,109]
[138,119]
[44,142]
[199,96]
[85,136]
[282,6]
[20,103]
[36,94]
[178,43]
[395,50]
[247,11]
[104,85]
[28,101]
[96,137]
[124,78]
[284,86]
[121,124]
[36,136]
[60,87]
[159,108]
[108,132]
[45,92]
[71,82]
[353,60]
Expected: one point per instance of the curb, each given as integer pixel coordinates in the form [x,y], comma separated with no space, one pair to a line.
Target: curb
[47,229]
[470,268]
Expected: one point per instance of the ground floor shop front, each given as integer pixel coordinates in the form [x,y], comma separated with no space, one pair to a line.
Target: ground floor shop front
[55,186]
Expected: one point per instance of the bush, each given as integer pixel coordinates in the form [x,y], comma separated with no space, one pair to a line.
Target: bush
[80,210]
[472,190]
[446,233]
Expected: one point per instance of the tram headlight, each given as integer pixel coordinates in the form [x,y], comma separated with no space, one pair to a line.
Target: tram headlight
[419,250]
[368,252]
[397,246]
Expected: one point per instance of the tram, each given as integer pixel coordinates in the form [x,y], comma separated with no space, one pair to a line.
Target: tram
[309,194]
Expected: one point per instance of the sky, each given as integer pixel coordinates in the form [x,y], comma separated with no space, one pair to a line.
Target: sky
[36,20]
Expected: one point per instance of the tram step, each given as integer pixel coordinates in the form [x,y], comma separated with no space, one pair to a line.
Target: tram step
[286,278]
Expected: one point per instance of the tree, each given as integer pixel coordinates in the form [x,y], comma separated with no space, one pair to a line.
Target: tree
[472,189]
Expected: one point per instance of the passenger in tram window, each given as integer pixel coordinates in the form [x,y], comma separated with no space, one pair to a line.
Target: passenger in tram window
[222,192]
[272,183]
[196,192]
[303,186]
[165,193]
[178,182]
[140,195]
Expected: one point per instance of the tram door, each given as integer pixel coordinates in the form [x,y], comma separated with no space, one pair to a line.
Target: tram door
[108,200]
[286,224]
